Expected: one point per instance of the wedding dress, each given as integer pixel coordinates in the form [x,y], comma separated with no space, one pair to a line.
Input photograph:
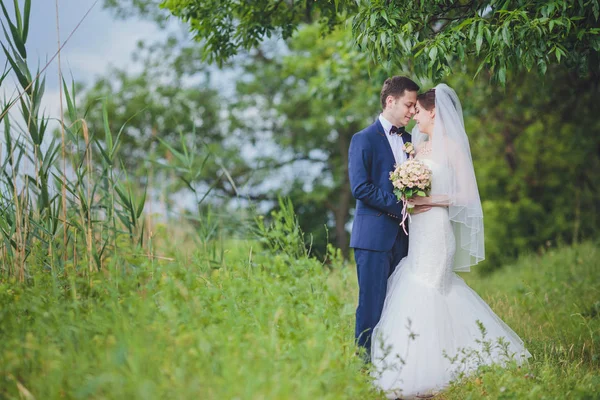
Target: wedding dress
[430,314]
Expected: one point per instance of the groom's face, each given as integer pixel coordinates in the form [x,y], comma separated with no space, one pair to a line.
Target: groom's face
[401,109]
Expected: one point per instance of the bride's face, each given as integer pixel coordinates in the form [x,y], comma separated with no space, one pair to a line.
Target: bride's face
[424,118]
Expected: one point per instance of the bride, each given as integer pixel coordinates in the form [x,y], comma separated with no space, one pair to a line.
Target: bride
[431,317]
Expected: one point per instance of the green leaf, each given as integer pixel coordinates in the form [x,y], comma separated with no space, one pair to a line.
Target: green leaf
[18,16]
[479,40]
[181,157]
[27,12]
[488,35]
[21,77]
[558,52]
[479,68]
[107,133]
[140,207]
[125,201]
[104,154]
[433,53]
[502,75]
[15,32]
[461,51]
[507,35]
[5,74]
[542,66]
[472,30]
[70,105]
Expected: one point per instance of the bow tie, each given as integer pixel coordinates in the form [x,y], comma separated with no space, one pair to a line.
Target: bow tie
[397,131]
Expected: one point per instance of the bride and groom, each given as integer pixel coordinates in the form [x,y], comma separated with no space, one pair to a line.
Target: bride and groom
[414,312]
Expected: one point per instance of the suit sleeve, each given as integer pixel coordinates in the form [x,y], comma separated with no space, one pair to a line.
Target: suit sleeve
[359,169]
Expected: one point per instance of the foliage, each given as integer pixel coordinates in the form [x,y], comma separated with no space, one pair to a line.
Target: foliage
[265,323]
[283,233]
[503,35]
[309,99]
[297,104]
[535,149]
[153,104]
[145,8]
[261,325]
[225,27]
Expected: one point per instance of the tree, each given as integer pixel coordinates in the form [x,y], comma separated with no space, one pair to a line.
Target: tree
[155,103]
[436,35]
[164,116]
[298,101]
[503,35]
[309,99]
[296,106]
[535,146]
[225,27]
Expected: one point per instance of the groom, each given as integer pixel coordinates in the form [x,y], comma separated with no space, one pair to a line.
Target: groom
[379,242]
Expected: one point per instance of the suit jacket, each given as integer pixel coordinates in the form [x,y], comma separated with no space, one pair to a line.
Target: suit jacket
[377,215]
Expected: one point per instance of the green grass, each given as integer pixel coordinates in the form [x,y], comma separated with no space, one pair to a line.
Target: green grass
[553,303]
[268,326]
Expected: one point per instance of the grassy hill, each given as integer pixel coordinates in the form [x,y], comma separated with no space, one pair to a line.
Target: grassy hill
[272,326]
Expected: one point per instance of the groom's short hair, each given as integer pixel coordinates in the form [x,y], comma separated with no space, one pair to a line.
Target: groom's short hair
[396,86]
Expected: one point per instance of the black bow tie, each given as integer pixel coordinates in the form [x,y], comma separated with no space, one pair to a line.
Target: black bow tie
[397,131]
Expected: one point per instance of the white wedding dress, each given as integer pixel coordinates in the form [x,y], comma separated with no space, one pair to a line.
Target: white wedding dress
[426,298]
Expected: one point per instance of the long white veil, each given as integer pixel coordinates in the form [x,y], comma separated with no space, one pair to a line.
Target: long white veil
[450,148]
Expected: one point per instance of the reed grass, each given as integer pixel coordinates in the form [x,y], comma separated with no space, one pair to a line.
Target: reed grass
[65,201]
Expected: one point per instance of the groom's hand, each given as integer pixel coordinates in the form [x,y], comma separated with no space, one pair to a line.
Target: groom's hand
[420,209]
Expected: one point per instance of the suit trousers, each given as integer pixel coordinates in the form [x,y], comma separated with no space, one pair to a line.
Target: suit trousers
[373,269]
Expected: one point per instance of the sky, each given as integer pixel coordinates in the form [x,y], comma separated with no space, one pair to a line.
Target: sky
[101,41]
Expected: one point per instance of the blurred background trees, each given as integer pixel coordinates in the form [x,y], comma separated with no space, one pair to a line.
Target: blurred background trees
[278,88]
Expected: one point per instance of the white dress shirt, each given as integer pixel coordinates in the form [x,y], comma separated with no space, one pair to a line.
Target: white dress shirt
[396,142]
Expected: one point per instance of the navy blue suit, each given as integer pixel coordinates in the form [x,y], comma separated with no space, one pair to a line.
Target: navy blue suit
[378,240]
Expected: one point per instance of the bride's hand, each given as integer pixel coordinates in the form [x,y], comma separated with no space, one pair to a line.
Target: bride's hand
[419,201]
[420,209]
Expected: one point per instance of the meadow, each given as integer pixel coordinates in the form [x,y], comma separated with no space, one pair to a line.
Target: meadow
[270,322]
[98,300]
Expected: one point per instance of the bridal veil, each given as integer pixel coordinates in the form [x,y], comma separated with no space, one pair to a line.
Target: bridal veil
[450,148]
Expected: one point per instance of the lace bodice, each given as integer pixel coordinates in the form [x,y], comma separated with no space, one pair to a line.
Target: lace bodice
[431,239]
[439,177]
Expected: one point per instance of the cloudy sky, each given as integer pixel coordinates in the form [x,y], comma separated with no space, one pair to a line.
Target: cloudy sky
[101,41]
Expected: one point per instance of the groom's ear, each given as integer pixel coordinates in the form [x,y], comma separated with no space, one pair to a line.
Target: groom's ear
[388,101]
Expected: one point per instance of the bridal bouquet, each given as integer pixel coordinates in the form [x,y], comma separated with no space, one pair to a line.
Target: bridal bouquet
[410,179]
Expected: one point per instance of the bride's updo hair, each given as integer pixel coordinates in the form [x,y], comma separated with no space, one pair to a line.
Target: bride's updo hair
[427,99]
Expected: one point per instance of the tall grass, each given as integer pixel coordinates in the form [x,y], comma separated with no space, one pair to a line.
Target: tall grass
[64,212]
[67,204]
[264,324]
